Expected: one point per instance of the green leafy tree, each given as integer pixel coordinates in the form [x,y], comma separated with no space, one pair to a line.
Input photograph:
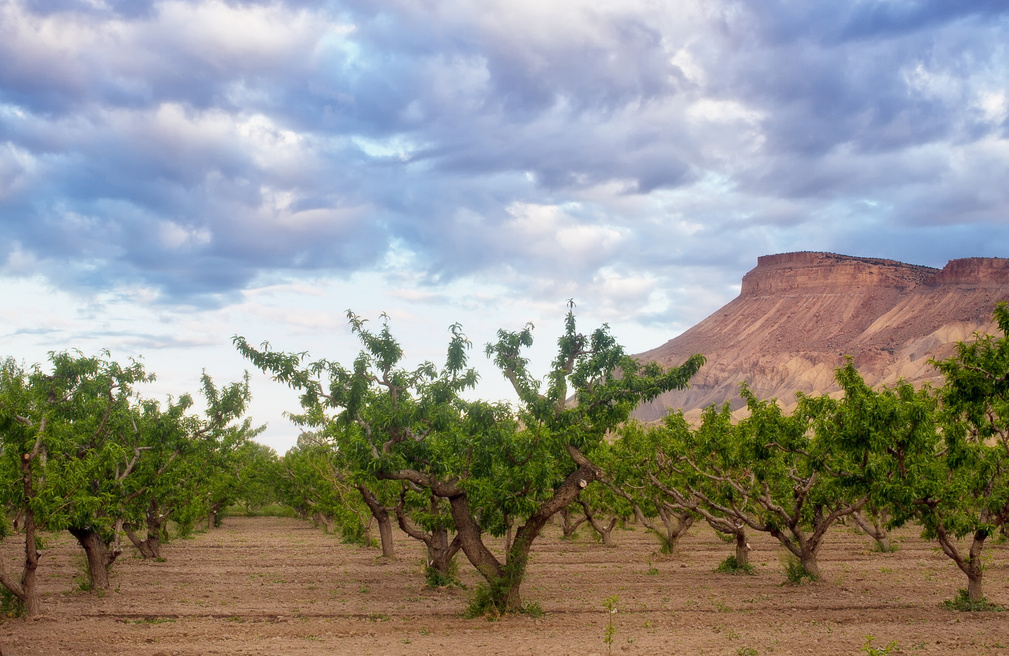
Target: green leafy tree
[496,470]
[177,457]
[377,414]
[24,421]
[943,455]
[975,425]
[316,482]
[647,478]
[633,468]
[59,433]
[775,474]
[592,387]
[257,475]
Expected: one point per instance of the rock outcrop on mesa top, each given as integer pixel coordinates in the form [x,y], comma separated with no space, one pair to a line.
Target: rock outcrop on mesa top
[798,315]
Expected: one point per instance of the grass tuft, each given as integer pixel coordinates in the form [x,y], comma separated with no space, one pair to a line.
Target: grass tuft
[961,602]
[731,566]
[795,573]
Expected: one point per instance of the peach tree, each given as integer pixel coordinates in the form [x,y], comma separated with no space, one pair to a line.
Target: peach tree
[501,470]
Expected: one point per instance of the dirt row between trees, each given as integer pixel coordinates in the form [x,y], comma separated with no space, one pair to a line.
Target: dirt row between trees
[279,586]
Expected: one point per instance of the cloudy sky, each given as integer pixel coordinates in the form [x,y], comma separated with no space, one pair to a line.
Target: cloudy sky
[173,173]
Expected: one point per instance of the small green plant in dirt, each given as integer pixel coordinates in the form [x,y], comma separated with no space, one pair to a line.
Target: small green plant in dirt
[10,604]
[436,579]
[610,604]
[747,651]
[82,579]
[795,573]
[962,603]
[891,647]
[732,566]
[721,606]
[481,604]
[533,609]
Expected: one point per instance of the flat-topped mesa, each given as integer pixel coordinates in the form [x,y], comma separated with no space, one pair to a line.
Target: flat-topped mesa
[974,272]
[799,316]
[804,271]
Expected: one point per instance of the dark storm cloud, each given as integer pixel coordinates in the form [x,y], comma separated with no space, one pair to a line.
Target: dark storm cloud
[191,146]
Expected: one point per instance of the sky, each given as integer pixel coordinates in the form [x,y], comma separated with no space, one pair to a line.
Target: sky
[174,173]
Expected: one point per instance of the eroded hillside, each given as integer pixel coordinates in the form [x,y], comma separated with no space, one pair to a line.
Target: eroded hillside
[798,315]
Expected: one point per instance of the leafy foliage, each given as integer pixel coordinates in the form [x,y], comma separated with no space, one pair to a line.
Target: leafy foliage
[470,466]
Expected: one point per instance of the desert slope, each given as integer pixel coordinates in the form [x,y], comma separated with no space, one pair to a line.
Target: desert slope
[798,315]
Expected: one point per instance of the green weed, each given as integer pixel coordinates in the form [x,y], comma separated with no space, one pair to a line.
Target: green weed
[731,566]
[794,571]
[10,604]
[962,603]
[610,604]
[891,647]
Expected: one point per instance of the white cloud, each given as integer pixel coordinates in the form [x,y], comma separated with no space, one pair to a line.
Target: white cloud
[994,106]
[174,236]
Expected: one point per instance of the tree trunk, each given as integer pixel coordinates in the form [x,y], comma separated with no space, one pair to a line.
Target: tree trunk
[974,570]
[440,551]
[149,547]
[145,547]
[27,588]
[98,554]
[971,565]
[800,547]
[327,521]
[367,531]
[810,564]
[605,531]
[742,549]
[675,523]
[214,516]
[471,539]
[975,589]
[30,594]
[29,580]
[439,559]
[505,582]
[385,534]
[569,524]
[381,515]
[873,526]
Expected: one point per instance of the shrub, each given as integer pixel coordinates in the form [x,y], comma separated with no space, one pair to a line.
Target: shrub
[436,579]
[731,566]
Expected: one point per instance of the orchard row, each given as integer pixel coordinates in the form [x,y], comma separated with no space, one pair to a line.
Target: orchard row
[82,451]
[384,445]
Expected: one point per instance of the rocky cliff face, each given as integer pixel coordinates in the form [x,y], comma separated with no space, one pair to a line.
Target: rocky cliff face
[798,315]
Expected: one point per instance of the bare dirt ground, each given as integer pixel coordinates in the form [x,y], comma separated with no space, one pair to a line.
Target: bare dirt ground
[279,586]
